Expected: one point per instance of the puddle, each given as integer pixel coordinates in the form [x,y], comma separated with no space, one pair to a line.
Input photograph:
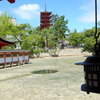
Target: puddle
[44,71]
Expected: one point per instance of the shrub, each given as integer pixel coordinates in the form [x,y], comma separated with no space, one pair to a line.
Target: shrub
[37,52]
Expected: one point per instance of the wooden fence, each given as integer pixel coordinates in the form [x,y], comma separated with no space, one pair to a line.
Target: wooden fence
[12,57]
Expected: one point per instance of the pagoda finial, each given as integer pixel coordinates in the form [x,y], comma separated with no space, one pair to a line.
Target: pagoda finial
[45,7]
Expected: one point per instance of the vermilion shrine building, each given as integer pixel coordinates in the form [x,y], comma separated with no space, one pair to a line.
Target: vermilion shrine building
[12,56]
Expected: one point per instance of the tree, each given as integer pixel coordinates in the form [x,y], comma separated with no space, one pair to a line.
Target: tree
[33,42]
[89,40]
[89,44]
[27,44]
[5,24]
[38,37]
[20,32]
[75,39]
[49,38]
[60,27]
[45,35]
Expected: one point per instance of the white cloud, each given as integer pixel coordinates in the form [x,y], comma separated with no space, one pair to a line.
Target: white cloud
[89,12]
[28,11]
[87,17]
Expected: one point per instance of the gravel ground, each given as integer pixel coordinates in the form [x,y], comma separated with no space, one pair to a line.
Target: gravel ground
[18,83]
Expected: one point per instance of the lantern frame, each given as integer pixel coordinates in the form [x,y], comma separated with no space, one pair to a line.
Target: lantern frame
[91,74]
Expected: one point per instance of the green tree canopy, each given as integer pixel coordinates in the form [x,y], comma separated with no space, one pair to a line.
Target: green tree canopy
[89,40]
[5,24]
[59,26]
[75,39]
[19,32]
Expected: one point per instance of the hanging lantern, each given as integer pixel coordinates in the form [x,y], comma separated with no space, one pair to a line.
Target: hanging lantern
[11,1]
[92,65]
[92,74]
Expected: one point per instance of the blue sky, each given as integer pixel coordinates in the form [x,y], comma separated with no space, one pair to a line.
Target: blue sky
[80,13]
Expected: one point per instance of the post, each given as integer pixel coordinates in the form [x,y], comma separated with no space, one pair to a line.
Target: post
[96,18]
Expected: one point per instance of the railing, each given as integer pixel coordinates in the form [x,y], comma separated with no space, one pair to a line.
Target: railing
[14,57]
